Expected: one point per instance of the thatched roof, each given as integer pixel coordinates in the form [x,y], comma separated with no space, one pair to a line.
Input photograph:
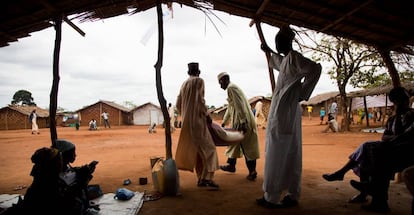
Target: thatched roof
[320,98]
[388,25]
[27,110]
[380,90]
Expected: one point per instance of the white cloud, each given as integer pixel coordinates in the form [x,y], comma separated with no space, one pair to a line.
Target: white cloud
[111,63]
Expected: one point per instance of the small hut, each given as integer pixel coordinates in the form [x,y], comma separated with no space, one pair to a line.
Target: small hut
[147,114]
[118,114]
[15,117]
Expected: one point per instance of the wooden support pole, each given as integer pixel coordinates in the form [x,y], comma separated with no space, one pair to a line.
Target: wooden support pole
[160,94]
[259,12]
[55,83]
[74,26]
[263,41]
[268,57]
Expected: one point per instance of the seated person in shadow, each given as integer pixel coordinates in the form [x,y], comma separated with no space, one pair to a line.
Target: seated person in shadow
[375,162]
[43,195]
[74,180]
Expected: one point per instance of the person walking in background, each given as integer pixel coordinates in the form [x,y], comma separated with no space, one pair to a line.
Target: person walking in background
[105,117]
[283,161]
[322,114]
[241,116]
[333,109]
[195,147]
[33,120]
[78,119]
[171,113]
[259,116]
[310,108]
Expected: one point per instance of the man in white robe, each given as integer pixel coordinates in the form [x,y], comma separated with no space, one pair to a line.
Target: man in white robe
[283,149]
[241,115]
[195,147]
[172,117]
[33,120]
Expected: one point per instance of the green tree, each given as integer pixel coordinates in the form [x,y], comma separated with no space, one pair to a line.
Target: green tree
[23,97]
[349,63]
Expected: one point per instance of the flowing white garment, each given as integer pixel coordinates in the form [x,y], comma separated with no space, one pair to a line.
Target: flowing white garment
[283,150]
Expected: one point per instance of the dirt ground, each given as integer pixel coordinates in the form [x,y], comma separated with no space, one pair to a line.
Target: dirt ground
[124,152]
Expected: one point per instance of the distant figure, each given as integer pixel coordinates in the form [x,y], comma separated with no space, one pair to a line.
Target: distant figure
[92,125]
[152,128]
[283,161]
[332,124]
[259,116]
[196,148]
[105,117]
[77,118]
[309,108]
[171,113]
[322,114]
[33,120]
[333,109]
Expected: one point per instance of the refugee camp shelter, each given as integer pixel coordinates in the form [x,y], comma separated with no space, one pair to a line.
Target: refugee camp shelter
[118,114]
[321,100]
[15,117]
[147,114]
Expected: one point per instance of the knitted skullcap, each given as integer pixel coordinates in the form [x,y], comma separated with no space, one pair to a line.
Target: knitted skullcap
[64,145]
[221,75]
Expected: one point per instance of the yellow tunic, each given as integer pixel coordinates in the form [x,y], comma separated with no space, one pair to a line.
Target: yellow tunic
[240,112]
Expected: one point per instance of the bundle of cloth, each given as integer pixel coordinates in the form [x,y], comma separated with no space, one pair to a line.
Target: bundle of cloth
[224,136]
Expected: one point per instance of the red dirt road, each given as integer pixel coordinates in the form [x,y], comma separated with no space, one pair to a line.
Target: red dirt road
[124,152]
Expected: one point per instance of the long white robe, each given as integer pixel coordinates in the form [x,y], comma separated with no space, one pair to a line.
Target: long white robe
[195,138]
[283,150]
[35,127]
[239,111]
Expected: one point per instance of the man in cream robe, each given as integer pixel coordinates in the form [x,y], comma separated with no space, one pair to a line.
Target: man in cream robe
[283,149]
[241,115]
[195,147]
[259,115]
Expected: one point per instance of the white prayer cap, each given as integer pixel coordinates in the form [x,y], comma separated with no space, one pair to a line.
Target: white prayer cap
[221,75]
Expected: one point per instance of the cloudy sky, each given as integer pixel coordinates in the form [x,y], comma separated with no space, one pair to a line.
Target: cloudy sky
[115,60]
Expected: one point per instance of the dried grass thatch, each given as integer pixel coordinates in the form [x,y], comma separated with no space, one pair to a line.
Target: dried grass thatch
[385,24]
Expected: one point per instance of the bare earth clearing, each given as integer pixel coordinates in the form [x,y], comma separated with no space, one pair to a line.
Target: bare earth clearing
[124,152]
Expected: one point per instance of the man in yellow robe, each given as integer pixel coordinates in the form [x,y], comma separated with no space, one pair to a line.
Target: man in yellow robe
[195,147]
[241,115]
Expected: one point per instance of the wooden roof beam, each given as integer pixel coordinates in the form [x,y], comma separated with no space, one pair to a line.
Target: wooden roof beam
[347,15]
[50,7]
